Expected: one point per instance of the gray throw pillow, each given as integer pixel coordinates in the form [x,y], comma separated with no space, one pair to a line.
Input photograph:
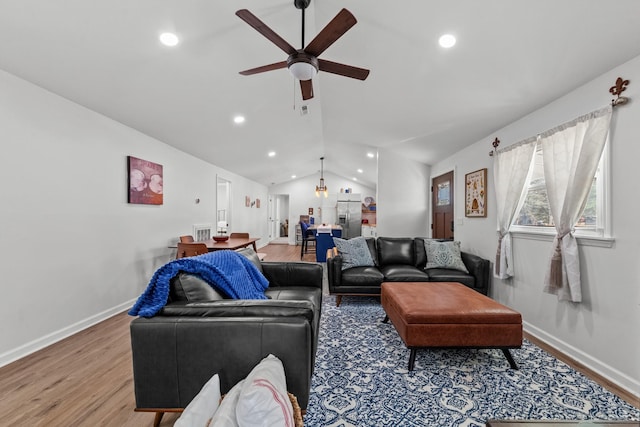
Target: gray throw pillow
[354,252]
[444,255]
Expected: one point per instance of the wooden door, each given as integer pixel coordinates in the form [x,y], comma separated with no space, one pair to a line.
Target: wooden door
[442,206]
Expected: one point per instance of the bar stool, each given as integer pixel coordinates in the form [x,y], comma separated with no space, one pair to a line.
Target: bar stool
[307,236]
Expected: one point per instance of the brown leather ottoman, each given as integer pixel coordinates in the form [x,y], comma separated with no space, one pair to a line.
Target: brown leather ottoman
[449,315]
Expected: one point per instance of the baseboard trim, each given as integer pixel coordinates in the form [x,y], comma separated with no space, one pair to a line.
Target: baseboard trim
[52,338]
[608,377]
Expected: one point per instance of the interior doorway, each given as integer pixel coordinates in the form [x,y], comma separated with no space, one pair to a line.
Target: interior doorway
[279,227]
[442,206]
[223,203]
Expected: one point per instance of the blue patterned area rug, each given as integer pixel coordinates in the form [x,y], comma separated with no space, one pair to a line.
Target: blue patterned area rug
[361,379]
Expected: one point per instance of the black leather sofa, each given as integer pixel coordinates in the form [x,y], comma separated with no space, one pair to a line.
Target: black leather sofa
[399,259]
[200,333]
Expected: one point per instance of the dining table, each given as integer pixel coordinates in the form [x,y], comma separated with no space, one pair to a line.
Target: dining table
[230,244]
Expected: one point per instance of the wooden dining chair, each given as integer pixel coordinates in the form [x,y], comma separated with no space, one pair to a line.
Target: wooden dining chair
[186,239]
[239,235]
[191,249]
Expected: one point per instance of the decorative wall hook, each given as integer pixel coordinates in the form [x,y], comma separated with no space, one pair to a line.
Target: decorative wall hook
[617,89]
[495,144]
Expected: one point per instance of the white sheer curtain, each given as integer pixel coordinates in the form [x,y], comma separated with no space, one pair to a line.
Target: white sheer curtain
[570,153]
[510,170]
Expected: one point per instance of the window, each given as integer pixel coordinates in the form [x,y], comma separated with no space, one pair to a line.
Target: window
[535,216]
[443,194]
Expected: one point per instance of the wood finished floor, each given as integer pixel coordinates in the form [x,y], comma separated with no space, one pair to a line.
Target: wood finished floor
[87,379]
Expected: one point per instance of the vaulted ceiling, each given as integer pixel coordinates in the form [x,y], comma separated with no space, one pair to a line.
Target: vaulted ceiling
[420,100]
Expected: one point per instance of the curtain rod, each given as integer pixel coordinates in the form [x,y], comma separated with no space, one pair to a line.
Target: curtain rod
[617,89]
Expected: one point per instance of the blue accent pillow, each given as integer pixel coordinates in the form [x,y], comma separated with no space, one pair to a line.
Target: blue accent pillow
[354,252]
[444,255]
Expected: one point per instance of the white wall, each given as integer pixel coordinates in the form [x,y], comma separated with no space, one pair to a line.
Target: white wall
[403,196]
[602,331]
[302,195]
[73,250]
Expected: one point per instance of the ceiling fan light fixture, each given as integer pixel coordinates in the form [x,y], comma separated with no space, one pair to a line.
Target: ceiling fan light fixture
[302,66]
[303,70]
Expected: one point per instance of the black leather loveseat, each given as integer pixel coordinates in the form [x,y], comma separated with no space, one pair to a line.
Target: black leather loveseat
[400,260]
[198,333]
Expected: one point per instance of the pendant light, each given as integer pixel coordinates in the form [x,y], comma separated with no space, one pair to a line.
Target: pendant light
[321,188]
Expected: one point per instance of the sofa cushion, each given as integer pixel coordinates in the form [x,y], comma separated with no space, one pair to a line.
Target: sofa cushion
[421,253]
[450,275]
[371,242]
[395,250]
[444,255]
[403,273]
[252,256]
[354,252]
[296,293]
[190,287]
[299,293]
[362,276]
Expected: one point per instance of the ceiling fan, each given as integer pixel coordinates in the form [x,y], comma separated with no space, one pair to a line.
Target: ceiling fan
[304,64]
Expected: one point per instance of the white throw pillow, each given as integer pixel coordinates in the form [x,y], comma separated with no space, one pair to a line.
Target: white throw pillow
[201,409]
[225,416]
[264,400]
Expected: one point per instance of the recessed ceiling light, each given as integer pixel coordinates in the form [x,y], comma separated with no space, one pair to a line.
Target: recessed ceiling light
[238,119]
[293,177]
[355,179]
[370,155]
[447,41]
[360,171]
[169,39]
[271,153]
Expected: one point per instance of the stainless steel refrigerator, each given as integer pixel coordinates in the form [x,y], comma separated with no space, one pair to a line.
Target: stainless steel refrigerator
[349,214]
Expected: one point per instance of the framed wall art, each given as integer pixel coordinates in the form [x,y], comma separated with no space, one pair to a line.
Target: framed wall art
[145,182]
[475,194]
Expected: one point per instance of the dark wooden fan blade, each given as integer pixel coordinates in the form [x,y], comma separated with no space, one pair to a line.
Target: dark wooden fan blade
[307,89]
[263,29]
[264,68]
[342,69]
[332,32]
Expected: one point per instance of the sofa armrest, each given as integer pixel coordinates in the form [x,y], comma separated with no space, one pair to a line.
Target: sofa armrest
[334,269]
[241,308]
[173,357]
[479,268]
[293,274]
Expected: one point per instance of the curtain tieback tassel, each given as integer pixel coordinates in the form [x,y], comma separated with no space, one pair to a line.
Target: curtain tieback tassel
[498,253]
[555,276]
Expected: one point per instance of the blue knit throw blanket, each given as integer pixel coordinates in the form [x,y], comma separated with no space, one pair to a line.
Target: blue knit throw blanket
[226,271]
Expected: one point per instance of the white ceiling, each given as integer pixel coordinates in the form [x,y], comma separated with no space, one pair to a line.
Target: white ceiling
[425,102]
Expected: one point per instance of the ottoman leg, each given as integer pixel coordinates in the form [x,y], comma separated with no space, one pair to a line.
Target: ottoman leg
[512,362]
[412,358]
